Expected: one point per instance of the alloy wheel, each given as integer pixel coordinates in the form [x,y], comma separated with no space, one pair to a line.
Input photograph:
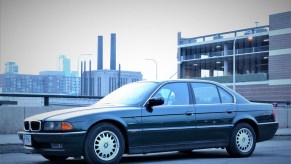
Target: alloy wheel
[244,140]
[106,145]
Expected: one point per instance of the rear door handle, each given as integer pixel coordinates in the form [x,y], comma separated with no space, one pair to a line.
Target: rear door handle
[230,111]
[189,113]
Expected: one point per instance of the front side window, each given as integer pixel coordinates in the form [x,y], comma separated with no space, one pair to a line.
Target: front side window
[174,94]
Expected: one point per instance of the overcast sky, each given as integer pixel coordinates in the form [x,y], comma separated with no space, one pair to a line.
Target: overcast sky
[34,33]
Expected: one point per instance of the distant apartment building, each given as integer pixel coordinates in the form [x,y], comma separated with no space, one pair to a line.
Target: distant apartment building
[262,58]
[11,68]
[47,82]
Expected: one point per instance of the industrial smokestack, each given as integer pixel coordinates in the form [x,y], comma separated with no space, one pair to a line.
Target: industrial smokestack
[113,52]
[85,80]
[100,53]
[89,80]
[82,81]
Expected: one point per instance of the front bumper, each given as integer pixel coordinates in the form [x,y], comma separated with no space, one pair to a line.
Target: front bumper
[267,130]
[72,143]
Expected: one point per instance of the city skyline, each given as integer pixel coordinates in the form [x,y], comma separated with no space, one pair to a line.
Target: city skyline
[34,33]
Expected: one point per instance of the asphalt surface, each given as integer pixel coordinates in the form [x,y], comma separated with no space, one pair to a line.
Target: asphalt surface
[10,143]
[268,152]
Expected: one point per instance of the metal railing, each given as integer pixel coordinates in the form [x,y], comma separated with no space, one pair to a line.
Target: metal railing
[46,98]
[239,51]
[223,35]
[239,78]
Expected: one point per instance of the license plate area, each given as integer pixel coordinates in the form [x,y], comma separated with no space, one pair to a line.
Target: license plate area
[27,140]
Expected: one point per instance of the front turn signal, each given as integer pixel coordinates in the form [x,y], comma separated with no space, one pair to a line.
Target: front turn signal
[66,126]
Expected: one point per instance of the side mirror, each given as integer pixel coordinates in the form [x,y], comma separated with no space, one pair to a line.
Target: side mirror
[155,101]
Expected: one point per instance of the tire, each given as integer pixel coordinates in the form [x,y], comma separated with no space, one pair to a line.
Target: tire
[242,141]
[55,157]
[104,144]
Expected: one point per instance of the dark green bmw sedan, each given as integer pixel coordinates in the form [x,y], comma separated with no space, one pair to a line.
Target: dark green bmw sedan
[145,117]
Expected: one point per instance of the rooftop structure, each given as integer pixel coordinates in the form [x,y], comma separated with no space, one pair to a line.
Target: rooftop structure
[11,68]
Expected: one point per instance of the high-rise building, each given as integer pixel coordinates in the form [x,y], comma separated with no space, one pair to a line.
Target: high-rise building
[11,68]
[255,61]
[65,65]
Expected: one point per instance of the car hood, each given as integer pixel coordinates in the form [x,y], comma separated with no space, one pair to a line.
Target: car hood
[64,114]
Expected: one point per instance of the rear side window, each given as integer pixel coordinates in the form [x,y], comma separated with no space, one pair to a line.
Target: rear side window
[206,93]
[225,96]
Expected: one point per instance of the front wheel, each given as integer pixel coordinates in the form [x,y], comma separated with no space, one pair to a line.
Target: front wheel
[242,141]
[104,144]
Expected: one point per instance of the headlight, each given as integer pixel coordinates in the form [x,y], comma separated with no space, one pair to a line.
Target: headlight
[52,126]
[63,126]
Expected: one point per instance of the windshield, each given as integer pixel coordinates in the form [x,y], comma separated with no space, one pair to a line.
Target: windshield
[130,94]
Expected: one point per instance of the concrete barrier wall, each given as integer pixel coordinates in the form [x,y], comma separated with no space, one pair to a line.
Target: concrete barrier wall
[11,117]
[283,116]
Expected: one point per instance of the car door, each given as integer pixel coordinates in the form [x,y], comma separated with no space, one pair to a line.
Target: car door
[214,112]
[171,123]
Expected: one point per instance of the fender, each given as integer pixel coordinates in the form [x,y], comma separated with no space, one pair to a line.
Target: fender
[243,116]
[92,120]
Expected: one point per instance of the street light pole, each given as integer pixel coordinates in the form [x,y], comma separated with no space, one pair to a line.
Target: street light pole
[233,69]
[156,67]
[78,69]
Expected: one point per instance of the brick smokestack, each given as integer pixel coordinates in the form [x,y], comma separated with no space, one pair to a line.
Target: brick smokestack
[100,53]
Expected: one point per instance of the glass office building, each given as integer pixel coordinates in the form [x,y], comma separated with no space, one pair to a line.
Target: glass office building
[259,57]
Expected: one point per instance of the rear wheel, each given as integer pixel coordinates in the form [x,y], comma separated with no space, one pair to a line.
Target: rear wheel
[55,157]
[242,141]
[104,144]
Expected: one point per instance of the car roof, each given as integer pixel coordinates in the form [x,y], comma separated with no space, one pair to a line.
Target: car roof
[181,80]
[239,98]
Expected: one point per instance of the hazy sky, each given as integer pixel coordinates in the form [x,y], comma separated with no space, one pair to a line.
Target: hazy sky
[34,33]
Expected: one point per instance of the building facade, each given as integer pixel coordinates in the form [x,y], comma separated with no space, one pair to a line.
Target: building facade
[262,58]
[63,82]
[39,84]
[103,82]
